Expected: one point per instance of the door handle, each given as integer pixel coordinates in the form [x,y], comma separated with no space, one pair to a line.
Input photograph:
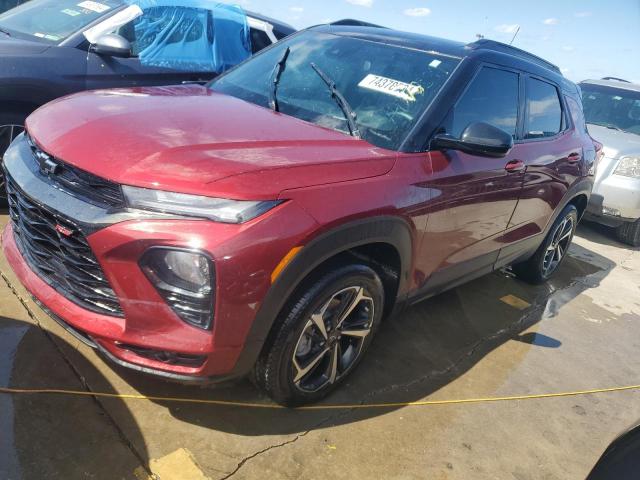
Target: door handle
[514,166]
[574,158]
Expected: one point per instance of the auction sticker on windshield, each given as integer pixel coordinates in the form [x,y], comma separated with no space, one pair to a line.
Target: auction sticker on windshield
[94,6]
[395,88]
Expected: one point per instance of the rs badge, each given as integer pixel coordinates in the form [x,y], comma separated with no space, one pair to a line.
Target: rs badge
[67,232]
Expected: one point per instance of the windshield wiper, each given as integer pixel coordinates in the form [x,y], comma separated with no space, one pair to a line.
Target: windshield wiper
[275,80]
[2,30]
[342,102]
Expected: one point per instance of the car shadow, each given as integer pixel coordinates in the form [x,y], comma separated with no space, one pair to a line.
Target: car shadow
[56,436]
[413,355]
[601,234]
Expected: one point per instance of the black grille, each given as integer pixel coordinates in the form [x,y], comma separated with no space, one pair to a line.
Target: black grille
[59,253]
[77,182]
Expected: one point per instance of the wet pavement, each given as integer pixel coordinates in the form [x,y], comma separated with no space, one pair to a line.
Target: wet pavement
[493,337]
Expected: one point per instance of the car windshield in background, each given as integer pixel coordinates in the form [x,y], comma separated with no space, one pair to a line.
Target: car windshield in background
[52,21]
[387,87]
[610,107]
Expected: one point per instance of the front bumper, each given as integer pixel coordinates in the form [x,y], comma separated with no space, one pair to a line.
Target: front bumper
[615,198]
[244,255]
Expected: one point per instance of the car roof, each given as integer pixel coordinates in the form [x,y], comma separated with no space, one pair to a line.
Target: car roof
[619,84]
[277,24]
[362,30]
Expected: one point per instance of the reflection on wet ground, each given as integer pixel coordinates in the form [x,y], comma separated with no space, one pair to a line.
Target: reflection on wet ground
[463,342]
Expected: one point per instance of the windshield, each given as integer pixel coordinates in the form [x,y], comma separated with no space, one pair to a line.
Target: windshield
[52,21]
[610,107]
[387,87]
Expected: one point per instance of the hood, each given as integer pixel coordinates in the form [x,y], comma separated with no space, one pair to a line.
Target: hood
[617,144]
[188,139]
[10,46]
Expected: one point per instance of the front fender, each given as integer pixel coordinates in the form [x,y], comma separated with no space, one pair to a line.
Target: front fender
[386,229]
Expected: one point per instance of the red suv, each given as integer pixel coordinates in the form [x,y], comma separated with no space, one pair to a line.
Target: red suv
[269,221]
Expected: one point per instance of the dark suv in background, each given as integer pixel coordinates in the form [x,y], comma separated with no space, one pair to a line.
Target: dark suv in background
[51,48]
[8,4]
[268,221]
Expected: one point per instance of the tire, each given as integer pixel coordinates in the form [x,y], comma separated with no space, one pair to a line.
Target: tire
[297,365]
[10,126]
[545,262]
[629,233]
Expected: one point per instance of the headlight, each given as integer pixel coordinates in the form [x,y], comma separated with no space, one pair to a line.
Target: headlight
[185,280]
[217,209]
[629,167]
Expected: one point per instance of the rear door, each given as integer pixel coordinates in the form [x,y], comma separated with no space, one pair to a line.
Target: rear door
[552,148]
[475,196]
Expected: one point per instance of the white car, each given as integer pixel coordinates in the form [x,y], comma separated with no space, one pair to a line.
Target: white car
[612,111]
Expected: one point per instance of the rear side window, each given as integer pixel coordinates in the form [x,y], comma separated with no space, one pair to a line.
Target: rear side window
[544,113]
[259,40]
[492,97]
[576,114]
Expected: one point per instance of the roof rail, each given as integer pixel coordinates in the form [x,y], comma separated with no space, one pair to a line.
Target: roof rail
[511,50]
[350,22]
[616,79]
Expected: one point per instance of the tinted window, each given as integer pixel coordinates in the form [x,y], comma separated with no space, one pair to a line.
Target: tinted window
[52,21]
[544,113]
[492,98]
[388,87]
[259,40]
[576,114]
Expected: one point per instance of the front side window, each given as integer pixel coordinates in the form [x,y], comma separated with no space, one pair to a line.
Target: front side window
[544,113]
[52,21]
[387,87]
[615,108]
[492,97]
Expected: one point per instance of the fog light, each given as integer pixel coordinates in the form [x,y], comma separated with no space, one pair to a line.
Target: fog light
[185,279]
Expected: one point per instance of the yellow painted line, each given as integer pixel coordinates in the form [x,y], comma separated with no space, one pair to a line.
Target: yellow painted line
[346,406]
[515,302]
[284,262]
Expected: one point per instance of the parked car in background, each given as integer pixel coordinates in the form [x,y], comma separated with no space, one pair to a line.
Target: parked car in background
[9,4]
[267,222]
[51,48]
[612,111]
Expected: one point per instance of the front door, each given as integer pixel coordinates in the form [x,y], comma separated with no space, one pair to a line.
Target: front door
[473,197]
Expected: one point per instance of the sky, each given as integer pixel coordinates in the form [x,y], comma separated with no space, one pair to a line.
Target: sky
[586,38]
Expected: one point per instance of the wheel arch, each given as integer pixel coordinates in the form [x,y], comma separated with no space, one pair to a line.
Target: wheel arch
[578,195]
[357,239]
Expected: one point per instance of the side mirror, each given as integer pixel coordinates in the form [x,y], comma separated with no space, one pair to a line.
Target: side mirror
[477,139]
[112,45]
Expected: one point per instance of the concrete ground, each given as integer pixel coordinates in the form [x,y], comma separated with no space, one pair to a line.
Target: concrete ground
[581,331]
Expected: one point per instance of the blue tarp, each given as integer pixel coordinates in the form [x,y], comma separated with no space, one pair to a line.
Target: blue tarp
[196,35]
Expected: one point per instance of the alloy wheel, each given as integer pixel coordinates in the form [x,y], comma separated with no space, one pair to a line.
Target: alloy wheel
[559,245]
[332,339]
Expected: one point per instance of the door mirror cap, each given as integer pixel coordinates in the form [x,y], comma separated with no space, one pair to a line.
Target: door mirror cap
[477,139]
[112,45]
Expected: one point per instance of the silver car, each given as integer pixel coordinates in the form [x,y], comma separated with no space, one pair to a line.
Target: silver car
[612,111]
